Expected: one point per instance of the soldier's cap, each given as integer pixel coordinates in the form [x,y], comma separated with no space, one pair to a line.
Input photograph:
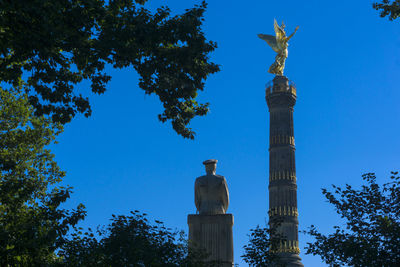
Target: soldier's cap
[210,161]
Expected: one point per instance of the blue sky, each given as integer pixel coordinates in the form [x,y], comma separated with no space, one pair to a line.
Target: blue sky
[345,61]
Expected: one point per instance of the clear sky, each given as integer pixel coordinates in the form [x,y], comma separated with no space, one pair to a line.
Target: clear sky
[345,61]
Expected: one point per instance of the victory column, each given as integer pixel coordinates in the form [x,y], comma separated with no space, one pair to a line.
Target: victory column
[281,98]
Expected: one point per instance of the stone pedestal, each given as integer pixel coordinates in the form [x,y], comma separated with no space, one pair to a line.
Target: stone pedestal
[214,234]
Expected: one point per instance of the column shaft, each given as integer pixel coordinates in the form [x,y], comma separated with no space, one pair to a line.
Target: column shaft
[281,99]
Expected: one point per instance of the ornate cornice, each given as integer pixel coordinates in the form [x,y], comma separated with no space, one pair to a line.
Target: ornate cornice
[289,246]
[283,211]
[282,175]
[281,140]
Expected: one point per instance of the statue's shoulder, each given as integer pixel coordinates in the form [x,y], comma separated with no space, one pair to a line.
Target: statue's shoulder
[200,179]
[220,177]
[209,178]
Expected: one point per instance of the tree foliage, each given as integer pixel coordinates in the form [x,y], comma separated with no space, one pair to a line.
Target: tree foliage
[263,244]
[388,8]
[55,45]
[130,241]
[372,234]
[32,224]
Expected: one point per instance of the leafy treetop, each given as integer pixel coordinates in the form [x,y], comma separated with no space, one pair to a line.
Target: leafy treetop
[263,245]
[55,45]
[372,234]
[32,224]
[388,8]
[131,241]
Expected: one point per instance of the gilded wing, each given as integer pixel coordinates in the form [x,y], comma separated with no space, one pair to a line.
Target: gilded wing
[280,32]
[271,41]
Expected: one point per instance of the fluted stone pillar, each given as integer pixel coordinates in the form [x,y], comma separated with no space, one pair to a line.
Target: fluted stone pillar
[281,98]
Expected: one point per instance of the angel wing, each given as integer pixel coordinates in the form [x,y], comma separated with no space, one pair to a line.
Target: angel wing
[279,31]
[271,41]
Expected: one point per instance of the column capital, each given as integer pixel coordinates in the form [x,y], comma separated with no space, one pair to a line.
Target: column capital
[280,92]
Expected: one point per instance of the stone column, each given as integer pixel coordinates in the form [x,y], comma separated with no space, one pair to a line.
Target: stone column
[281,98]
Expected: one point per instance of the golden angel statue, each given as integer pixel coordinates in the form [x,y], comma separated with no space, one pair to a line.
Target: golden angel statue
[279,44]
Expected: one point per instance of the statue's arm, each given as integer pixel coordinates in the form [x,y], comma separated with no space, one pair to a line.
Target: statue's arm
[197,196]
[290,36]
[225,195]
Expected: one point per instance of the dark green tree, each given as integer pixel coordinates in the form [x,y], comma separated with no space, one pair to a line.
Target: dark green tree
[32,224]
[371,236]
[264,243]
[388,8]
[55,45]
[130,241]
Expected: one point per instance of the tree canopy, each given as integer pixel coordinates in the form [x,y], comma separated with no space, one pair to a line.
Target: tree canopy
[388,8]
[55,45]
[264,242]
[130,241]
[32,224]
[371,236]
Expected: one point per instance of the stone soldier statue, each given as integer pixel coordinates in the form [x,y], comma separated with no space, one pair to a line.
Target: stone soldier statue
[211,228]
[211,191]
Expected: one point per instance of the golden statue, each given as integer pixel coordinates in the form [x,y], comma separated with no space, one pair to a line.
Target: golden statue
[279,44]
